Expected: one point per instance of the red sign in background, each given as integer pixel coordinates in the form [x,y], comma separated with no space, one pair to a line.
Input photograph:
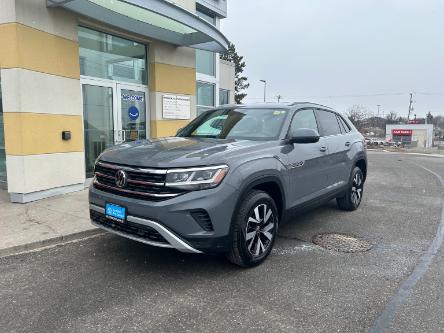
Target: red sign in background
[402,132]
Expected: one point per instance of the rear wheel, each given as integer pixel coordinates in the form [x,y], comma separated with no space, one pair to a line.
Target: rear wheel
[353,197]
[254,230]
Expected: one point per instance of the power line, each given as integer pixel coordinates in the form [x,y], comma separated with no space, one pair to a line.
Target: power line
[429,94]
[358,96]
[341,96]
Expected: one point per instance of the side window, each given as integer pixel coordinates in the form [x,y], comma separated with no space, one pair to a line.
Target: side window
[344,126]
[328,123]
[303,119]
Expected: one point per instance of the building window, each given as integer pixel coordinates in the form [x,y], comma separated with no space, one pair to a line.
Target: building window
[111,57]
[205,96]
[224,96]
[206,62]
[2,141]
[206,15]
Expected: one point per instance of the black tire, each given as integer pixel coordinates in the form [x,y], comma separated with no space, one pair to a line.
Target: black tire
[355,191]
[249,252]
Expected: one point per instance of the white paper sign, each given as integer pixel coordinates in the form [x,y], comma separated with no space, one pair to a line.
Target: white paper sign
[176,107]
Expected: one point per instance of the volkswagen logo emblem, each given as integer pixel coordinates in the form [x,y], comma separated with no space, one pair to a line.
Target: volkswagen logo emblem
[121,178]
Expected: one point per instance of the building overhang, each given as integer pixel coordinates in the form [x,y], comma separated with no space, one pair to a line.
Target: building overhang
[154,19]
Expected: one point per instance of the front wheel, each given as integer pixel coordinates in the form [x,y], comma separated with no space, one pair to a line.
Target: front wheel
[353,197]
[254,230]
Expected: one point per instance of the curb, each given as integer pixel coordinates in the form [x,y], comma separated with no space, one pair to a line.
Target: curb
[6,252]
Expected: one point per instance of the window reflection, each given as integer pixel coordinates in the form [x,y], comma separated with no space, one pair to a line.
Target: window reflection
[110,57]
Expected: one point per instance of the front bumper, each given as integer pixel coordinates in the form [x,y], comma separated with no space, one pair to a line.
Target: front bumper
[173,218]
[171,240]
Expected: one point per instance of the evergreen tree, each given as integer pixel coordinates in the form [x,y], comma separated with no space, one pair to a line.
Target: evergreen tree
[429,118]
[241,84]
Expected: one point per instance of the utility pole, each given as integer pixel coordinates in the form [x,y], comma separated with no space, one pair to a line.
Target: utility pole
[265,90]
[410,107]
[279,98]
[379,106]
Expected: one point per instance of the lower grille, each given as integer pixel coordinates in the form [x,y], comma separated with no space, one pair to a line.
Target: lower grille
[131,228]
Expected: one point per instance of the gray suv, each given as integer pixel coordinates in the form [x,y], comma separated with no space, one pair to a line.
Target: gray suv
[228,179]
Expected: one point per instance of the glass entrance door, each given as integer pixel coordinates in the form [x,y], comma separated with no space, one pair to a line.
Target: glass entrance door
[98,120]
[113,113]
[132,106]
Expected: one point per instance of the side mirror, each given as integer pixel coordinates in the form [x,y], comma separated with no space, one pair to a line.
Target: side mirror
[304,135]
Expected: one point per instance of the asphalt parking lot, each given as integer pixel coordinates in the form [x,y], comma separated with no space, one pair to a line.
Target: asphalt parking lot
[106,283]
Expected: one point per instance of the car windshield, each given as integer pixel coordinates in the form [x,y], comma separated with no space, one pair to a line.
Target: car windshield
[247,124]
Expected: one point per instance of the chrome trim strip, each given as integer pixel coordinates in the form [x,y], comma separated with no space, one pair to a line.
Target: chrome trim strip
[135,192]
[97,208]
[173,240]
[140,240]
[213,167]
[131,181]
[126,168]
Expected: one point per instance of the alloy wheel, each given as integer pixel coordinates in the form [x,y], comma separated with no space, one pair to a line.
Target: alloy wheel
[358,185]
[259,231]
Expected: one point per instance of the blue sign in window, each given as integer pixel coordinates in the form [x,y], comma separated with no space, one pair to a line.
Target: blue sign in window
[133,113]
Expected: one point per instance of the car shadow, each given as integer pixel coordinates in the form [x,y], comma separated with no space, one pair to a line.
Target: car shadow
[139,257]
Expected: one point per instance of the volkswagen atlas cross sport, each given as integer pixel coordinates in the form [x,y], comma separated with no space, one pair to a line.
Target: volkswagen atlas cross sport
[228,179]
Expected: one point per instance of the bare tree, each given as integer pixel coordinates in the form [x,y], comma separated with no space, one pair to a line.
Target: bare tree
[357,115]
[392,118]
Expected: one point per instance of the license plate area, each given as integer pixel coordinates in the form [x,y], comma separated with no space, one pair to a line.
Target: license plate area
[115,213]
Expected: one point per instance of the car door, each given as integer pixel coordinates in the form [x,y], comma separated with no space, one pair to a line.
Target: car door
[306,162]
[331,132]
[347,139]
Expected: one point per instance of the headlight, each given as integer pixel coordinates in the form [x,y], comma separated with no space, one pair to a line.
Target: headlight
[196,178]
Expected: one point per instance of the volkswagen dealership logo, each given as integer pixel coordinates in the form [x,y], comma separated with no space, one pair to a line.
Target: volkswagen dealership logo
[121,178]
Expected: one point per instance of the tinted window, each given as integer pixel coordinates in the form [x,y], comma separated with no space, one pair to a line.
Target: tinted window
[328,123]
[304,119]
[344,126]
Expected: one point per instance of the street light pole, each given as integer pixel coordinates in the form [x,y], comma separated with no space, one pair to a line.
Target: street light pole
[265,90]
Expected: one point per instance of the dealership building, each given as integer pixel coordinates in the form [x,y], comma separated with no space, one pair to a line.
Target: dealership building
[78,76]
[413,135]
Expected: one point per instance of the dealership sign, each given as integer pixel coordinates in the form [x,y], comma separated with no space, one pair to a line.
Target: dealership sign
[402,132]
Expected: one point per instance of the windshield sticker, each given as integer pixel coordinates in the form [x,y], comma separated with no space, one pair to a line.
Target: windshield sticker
[278,112]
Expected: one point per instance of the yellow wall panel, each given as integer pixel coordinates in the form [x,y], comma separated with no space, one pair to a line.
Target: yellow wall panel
[28,48]
[33,133]
[172,79]
[163,128]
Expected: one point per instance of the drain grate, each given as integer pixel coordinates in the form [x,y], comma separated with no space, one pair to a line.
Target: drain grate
[341,243]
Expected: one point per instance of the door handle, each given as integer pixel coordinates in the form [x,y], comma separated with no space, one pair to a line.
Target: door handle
[123,136]
[347,144]
[323,149]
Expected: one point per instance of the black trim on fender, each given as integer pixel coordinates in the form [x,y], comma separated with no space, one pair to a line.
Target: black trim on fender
[255,182]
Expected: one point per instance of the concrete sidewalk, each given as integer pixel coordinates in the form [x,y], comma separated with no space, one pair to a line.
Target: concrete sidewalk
[46,222]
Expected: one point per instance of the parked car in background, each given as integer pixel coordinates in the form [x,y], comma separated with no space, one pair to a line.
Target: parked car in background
[227,181]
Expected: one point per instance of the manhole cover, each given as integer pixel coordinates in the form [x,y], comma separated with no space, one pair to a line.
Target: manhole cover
[341,243]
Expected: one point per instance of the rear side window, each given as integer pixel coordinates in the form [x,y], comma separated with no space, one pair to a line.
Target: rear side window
[328,123]
[304,119]
[344,126]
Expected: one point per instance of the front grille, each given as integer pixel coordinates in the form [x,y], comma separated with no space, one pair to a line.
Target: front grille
[204,220]
[131,228]
[145,184]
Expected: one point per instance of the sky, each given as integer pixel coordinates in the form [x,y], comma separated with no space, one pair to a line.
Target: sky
[343,52]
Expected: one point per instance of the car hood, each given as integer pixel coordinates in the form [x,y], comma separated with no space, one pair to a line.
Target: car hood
[175,152]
